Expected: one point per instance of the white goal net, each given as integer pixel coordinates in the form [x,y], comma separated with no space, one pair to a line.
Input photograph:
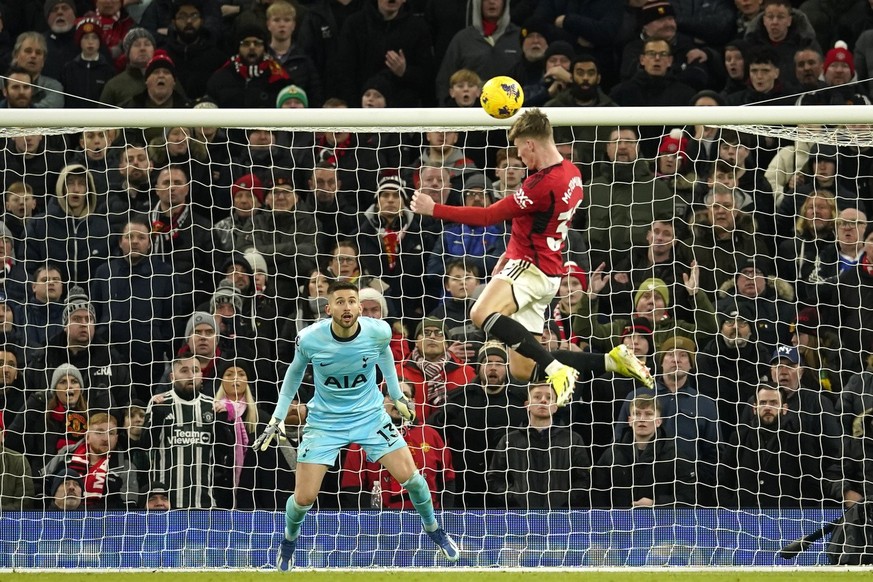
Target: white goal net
[727,247]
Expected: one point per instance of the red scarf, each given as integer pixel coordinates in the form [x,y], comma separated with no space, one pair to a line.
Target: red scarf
[391,242]
[268,66]
[95,475]
[489,27]
[332,154]
[75,424]
[563,326]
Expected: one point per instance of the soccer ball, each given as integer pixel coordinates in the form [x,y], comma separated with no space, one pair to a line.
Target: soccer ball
[502,97]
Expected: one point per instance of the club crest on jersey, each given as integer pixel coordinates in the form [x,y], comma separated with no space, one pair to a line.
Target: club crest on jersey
[522,199]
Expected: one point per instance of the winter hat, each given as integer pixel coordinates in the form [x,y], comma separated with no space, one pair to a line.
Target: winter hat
[256,260]
[391,182]
[642,327]
[292,92]
[134,35]
[807,321]
[160,60]
[87,26]
[656,285]
[759,263]
[382,84]
[252,30]
[50,5]
[560,47]
[478,181]
[204,103]
[5,233]
[430,322]
[68,474]
[76,300]
[198,318]
[225,293]
[652,11]
[249,182]
[537,25]
[370,294]
[678,342]
[732,309]
[577,272]
[840,53]
[674,142]
[66,370]
[238,258]
[492,348]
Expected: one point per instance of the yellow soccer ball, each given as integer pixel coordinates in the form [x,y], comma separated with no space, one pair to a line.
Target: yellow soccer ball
[502,97]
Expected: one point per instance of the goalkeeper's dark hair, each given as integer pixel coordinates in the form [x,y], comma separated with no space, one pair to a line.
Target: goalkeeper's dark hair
[341,286]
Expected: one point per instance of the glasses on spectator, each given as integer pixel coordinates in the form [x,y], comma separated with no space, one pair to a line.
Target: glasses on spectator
[433,333]
[475,193]
[657,54]
[188,16]
[251,42]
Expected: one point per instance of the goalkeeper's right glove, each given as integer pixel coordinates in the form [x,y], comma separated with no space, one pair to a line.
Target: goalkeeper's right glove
[274,428]
[405,408]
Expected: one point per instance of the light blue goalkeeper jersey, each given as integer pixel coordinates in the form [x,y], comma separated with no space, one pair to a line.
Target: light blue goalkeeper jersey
[344,371]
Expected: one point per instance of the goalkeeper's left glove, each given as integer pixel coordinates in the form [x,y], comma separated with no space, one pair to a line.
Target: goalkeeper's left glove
[274,428]
[405,408]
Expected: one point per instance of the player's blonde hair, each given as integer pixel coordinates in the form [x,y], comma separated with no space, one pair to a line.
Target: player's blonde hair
[532,124]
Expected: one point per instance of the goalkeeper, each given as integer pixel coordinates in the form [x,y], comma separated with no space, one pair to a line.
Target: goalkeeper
[347,408]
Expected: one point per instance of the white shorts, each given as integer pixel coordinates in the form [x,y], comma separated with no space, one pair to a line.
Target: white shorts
[532,290]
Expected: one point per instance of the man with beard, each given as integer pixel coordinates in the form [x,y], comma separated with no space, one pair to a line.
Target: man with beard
[249,78]
[29,53]
[134,297]
[589,142]
[181,434]
[17,89]
[732,365]
[535,35]
[60,17]
[129,187]
[475,418]
[192,47]
[763,466]
[336,213]
[109,478]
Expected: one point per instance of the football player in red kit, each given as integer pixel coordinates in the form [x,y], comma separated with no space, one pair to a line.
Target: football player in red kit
[513,304]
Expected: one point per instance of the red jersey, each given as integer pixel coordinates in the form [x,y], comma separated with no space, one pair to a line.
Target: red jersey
[541,212]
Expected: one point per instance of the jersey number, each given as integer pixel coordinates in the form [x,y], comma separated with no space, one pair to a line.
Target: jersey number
[388,432]
[563,227]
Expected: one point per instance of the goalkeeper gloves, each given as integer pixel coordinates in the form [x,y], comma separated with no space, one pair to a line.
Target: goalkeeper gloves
[274,428]
[405,408]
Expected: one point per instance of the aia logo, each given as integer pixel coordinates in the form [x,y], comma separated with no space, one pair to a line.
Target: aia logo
[522,199]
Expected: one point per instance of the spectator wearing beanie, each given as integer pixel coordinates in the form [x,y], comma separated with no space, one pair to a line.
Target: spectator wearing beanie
[190,40]
[160,87]
[292,97]
[250,78]
[139,48]
[60,18]
[247,195]
[86,75]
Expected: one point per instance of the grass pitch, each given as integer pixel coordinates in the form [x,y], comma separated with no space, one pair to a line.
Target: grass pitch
[811,574]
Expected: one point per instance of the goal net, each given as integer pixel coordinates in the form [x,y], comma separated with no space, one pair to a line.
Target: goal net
[159,265]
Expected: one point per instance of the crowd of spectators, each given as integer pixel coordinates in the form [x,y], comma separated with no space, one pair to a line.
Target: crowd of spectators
[154,279]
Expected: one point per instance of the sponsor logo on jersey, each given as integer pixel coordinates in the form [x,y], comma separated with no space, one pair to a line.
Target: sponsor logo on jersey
[181,437]
[345,381]
[522,199]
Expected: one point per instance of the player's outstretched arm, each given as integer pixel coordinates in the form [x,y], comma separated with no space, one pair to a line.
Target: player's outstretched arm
[290,385]
[389,373]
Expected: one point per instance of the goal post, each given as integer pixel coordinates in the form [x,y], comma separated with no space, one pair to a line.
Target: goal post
[265,221]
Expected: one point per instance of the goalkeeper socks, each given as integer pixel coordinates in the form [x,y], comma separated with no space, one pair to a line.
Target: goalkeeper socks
[594,363]
[514,335]
[419,493]
[294,516]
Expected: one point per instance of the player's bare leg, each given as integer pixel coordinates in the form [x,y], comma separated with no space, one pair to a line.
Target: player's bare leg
[402,467]
[309,477]
[491,313]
